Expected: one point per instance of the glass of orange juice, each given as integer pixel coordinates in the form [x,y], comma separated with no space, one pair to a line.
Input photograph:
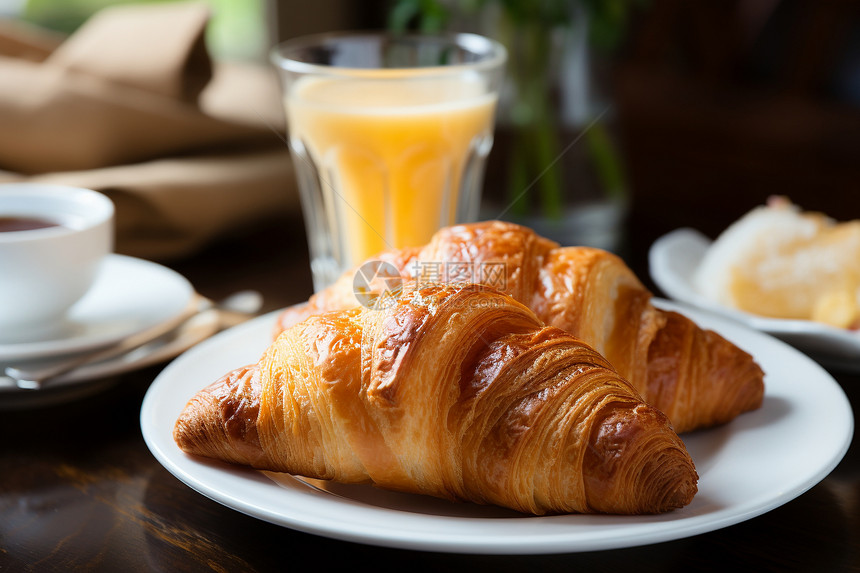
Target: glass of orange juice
[389,135]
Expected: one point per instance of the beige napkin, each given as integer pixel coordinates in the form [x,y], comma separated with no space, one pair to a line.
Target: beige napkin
[132,105]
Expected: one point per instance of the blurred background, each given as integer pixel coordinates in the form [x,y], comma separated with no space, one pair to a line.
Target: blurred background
[645,115]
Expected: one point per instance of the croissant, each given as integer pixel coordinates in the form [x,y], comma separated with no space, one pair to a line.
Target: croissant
[455,392]
[696,377]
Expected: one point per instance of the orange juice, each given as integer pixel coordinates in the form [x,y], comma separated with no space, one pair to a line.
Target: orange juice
[392,154]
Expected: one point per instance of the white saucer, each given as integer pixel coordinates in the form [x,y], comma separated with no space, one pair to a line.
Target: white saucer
[93,378]
[129,295]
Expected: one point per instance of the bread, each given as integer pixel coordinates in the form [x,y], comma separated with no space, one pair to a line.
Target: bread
[696,377]
[458,392]
[782,262]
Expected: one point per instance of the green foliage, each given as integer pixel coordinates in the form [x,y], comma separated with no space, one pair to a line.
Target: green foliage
[608,19]
[431,15]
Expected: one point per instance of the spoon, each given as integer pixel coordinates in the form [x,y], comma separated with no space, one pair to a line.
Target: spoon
[232,310]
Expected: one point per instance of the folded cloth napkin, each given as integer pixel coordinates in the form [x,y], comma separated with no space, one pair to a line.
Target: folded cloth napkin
[132,105]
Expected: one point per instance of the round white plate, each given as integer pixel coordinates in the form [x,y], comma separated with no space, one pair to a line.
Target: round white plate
[757,462]
[129,295]
[673,260]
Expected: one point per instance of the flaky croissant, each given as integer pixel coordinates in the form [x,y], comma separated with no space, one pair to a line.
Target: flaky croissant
[455,392]
[695,376]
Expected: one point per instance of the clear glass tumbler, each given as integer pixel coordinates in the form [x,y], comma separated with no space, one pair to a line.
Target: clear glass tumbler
[389,136]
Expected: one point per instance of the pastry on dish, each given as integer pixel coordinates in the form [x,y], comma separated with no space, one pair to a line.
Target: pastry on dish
[783,262]
[458,392]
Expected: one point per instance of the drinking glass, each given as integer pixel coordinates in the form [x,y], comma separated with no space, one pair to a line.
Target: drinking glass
[389,136]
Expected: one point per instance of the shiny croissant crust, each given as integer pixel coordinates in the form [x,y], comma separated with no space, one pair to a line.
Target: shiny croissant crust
[695,376]
[455,392]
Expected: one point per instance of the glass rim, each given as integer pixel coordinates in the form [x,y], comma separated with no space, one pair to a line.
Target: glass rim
[497,54]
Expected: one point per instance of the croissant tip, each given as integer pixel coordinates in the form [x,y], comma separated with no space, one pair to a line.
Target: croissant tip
[220,421]
[663,475]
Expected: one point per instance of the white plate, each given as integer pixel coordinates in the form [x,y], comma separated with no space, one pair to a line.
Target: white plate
[129,295]
[673,260]
[759,461]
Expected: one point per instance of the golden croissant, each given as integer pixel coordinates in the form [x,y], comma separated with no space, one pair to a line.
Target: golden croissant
[455,392]
[696,377]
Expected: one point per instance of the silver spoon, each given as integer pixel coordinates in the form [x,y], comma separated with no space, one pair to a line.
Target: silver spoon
[232,310]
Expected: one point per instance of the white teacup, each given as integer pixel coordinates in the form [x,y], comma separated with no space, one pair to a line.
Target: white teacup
[52,241]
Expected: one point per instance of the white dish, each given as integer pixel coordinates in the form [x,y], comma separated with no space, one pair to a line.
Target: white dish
[129,295]
[758,462]
[92,378]
[673,260]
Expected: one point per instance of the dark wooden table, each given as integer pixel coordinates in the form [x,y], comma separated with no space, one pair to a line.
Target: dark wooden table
[80,491]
